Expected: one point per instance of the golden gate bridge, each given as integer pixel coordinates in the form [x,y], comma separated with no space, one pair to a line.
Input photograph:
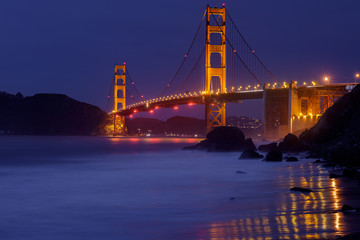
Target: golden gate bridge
[227,59]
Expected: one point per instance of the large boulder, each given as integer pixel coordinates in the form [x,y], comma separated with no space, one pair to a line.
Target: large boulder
[250,154]
[291,143]
[249,144]
[292,159]
[223,139]
[268,147]
[273,156]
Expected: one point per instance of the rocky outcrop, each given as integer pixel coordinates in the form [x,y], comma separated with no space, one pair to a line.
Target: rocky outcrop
[250,154]
[223,139]
[292,159]
[291,143]
[48,114]
[268,147]
[337,134]
[348,209]
[273,156]
[249,144]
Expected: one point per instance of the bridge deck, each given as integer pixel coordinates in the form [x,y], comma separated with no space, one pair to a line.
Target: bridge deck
[183,99]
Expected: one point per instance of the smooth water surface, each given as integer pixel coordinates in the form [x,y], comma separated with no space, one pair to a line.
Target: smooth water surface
[148,188]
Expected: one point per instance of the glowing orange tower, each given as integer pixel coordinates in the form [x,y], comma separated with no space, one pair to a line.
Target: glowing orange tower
[215,25]
[119,85]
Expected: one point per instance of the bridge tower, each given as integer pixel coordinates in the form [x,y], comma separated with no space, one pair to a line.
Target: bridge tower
[119,85]
[215,109]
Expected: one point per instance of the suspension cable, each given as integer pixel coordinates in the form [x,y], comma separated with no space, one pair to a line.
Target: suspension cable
[133,83]
[192,70]
[247,44]
[185,57]
[227,40]
[111,89]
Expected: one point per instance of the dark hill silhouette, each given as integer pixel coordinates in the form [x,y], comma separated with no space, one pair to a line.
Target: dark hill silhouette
[48,114]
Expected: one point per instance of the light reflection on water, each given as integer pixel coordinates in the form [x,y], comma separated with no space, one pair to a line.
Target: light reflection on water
[298,216]
[153,140]
[121,185]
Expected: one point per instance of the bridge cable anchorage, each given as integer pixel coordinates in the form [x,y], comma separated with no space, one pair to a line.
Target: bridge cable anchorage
[249,47]
[192,70]
[185,57]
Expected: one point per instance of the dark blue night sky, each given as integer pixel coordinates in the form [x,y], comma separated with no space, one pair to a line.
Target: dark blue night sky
[71,47]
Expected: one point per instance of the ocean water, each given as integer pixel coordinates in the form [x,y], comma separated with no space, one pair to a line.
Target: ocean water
[148,188]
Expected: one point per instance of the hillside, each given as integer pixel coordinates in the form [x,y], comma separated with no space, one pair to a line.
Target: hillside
[48,114]
[337,134]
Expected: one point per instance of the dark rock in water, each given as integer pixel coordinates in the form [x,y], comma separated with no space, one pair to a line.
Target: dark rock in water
[223,139]
[249,144]
[291,143]
[318,161]
[250,154]
[232,198]
[292,159]
[240,172]
[300,189]
[268,147]
[226,135]
[348,208]
[274,156]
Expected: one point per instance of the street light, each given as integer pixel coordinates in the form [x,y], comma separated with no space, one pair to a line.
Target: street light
[357,77]
[326,79]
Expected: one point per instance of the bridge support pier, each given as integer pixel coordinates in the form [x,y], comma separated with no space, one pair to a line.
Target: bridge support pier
[214,114]
[119,125]
[276,105]
[293,109]
[215,110]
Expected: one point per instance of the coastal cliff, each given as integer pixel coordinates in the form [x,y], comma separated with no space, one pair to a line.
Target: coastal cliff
[336,136]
